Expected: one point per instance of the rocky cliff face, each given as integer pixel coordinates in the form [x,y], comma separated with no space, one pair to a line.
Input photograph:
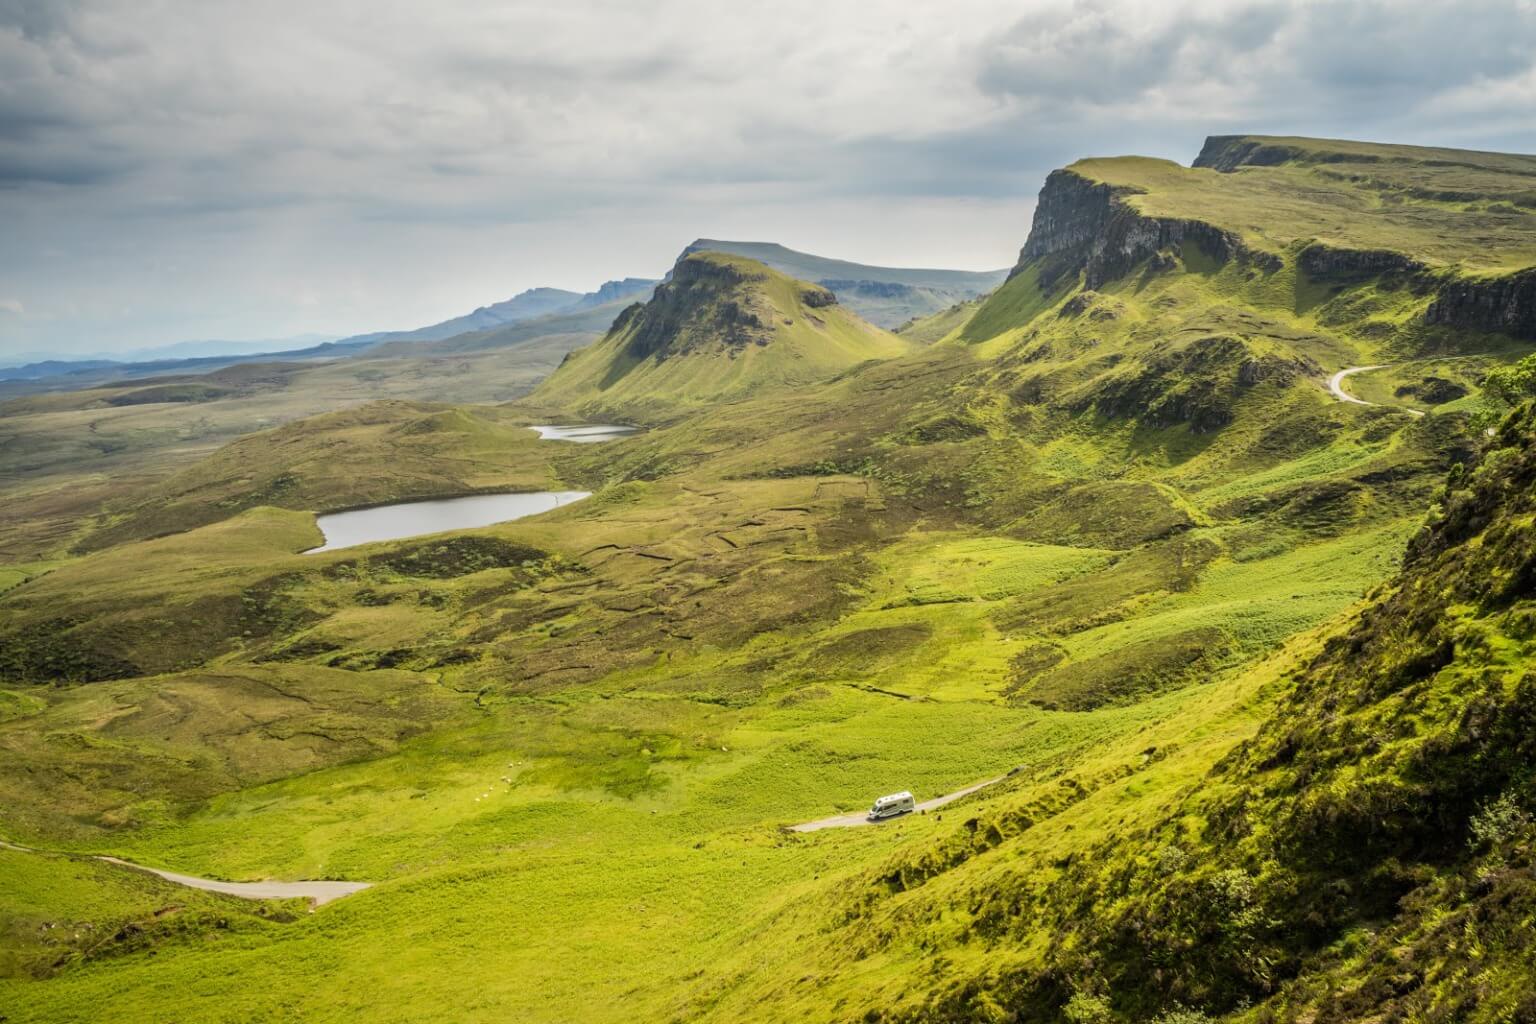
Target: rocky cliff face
[1326,261]
[1503,304]
[1088,226]
[697,301]
[1229,152]
[707,303]
[1072,212]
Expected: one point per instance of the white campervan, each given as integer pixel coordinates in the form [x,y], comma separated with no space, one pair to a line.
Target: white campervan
[890,806]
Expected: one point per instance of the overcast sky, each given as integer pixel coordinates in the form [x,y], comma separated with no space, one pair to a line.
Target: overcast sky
[212,169]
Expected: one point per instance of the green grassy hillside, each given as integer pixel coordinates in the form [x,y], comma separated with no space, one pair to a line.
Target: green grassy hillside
[886,296]
[1105,534]
[1441,207]
[723,327]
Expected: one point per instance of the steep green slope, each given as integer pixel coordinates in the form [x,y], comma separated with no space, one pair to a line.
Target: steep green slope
[722,327]
[886,296]
[1365,854]
[1426,242]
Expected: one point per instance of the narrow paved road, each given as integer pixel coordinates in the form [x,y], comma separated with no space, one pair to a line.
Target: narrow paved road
[318,893]
[855,820]
[1336,386]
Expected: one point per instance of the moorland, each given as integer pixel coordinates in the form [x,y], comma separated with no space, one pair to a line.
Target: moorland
[1251,662]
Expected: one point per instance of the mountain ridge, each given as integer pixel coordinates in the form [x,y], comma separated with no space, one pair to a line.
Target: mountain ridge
[885,296]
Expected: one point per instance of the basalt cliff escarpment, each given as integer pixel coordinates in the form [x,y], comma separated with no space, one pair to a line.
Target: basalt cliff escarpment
[1087,226]
[1503,304]
[1365,213]
[705,302]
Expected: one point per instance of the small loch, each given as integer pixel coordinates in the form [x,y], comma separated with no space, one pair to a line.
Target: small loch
[585,433]
[416,518]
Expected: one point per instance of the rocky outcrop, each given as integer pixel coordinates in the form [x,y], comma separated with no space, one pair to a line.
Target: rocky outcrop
[1318,260]
[1503,304]
[818,298]
[1088,226]
[1072,213]
[1433,391]
[1229,152]
[699,301]
[1226,153]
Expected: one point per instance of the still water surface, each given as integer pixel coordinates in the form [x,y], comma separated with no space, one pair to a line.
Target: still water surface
[414,518]
[586,433]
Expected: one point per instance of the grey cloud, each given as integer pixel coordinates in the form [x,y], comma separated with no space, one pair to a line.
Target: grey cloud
[20,168]
[1274,58]
[1378,55]
[1094,52]
[35,19]
[244,139]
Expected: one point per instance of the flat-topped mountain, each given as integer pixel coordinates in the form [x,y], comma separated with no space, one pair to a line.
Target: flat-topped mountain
[1449,236]
[886,296]
[722,326]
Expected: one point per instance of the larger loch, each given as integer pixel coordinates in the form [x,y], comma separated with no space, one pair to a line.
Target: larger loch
[439,515]
[585,433]
[415,518]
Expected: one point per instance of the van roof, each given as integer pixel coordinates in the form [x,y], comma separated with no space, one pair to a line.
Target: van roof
[903,795]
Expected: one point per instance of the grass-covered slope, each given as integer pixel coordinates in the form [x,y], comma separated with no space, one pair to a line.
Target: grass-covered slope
[722,327]
[1428,242]
[886,296]
[1365,854]
[1107,528]
[1439,207]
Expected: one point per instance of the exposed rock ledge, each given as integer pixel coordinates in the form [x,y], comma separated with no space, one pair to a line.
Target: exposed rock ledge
[1086,226]
[1089,226]
[1503,304]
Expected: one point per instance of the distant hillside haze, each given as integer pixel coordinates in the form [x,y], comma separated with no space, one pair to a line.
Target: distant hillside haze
[533,314]
[885,296]
[525,306]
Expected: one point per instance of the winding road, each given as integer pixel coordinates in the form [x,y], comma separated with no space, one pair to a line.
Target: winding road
[318,893]
[1336,386]
[857,819]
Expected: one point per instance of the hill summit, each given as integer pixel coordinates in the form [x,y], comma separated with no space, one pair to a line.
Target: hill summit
[887,296]
[722,326]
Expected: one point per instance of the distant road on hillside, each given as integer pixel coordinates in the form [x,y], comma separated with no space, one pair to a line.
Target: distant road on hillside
[317,892]
[857,819]
[1336,386]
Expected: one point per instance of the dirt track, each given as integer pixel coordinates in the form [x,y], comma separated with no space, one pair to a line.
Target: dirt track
[1336,386]
[318,893]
